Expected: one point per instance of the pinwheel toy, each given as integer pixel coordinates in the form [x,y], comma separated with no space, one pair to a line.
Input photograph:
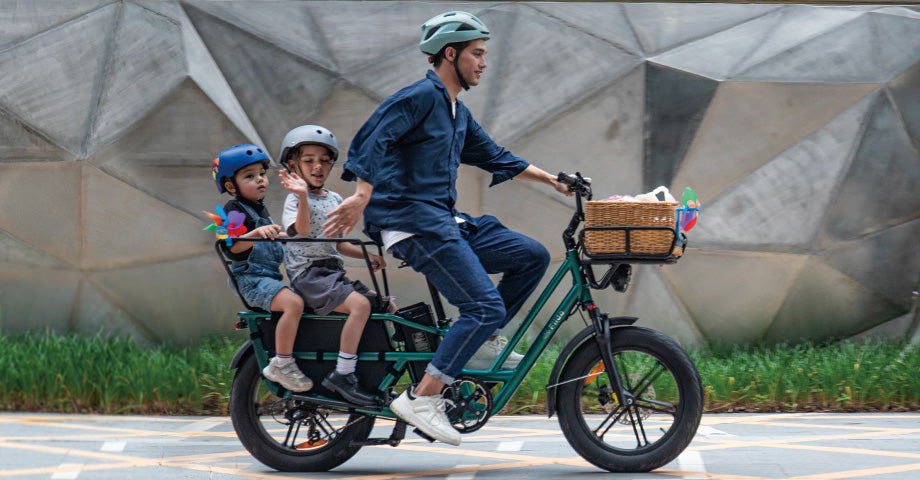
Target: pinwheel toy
[689,211]
[226,225]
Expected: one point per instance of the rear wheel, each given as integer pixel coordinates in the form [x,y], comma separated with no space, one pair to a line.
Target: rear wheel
[656,420]
[291,435]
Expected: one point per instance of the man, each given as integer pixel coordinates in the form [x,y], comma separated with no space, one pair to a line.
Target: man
[405,160]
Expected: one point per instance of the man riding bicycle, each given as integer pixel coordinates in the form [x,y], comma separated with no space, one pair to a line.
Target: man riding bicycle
[405,160]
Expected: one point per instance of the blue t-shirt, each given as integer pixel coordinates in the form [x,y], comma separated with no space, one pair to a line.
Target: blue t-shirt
[410,150]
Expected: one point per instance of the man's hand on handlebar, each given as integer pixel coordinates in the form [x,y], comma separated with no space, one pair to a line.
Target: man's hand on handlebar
[575,184]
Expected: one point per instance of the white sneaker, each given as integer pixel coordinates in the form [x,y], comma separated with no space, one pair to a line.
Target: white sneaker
[288,375]
[489,351]
[426,412]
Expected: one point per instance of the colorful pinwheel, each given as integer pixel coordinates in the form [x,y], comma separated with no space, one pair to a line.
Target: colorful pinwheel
[689,211]
[226,225]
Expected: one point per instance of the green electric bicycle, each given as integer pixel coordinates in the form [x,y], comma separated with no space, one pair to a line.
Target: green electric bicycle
[629,398]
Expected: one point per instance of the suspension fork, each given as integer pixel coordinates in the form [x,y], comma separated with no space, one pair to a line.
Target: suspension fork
[602,335]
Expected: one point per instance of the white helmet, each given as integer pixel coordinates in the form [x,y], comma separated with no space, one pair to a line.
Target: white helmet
[308,135]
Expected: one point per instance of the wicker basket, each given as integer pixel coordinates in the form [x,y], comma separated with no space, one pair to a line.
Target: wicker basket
[631,214]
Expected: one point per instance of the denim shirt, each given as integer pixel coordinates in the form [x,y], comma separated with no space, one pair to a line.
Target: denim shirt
[409,150]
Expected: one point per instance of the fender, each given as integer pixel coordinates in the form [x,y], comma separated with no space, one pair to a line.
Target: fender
[580,339]
[242,353]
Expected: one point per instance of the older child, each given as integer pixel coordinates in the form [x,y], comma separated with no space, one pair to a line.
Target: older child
[241,172]
[316,269]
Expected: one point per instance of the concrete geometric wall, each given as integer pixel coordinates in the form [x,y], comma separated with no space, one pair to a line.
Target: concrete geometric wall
[798,126]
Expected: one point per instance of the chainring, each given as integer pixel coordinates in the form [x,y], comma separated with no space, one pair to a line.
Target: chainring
[472,403]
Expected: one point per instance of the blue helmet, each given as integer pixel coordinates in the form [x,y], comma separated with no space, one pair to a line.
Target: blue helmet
[227,162]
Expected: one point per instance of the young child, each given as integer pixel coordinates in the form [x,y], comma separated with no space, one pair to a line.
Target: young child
[316,269]
[241,172]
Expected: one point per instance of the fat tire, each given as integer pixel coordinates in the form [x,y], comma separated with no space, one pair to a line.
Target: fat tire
[265,448]
[686,416]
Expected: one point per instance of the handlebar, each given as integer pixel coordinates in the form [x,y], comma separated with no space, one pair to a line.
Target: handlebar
[577,184]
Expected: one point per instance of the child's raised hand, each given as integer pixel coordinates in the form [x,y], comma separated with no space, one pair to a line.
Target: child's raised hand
[293,183]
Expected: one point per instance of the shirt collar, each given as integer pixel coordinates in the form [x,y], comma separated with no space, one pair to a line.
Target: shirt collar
[257,206]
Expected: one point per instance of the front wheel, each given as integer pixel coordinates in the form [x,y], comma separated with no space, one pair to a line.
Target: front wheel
[291,435]
[661,411]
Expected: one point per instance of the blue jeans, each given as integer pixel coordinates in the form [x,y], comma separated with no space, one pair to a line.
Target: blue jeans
[460,270]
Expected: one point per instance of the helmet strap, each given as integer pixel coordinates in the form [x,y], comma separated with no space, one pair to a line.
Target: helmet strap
[457,52]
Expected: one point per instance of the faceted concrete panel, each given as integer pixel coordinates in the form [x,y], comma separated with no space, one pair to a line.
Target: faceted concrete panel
[169,160]
[905,92]
[94,313]
[124,226]
[550,85]
[675,103]
[599,137]
[253,68]
[603,20]
[897,328]
[868,49]
[725,54]
[845,307]
[344,112]
[377,34]
[288,25]
[794,25]
[55,87]
[146,63]
[748,124]
[660,26]
[733,297]
[207,75]
[20,144]
[652,299]
[35,298]
[780,206]
[886,262]
[42,16]
[45,217]
[14,252]
[883,179]
[161,303]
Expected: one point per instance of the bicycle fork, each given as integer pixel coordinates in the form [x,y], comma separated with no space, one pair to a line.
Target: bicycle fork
[602,335]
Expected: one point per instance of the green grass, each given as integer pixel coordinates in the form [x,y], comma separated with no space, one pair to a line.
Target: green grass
[70,373]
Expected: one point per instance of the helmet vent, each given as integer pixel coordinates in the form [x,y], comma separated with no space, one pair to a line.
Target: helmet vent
[249,152]
[431,33]
[464,26]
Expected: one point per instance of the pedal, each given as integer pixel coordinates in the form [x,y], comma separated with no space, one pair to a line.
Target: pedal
[424,435]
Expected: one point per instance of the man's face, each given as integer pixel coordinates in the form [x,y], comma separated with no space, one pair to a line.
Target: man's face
[472,61]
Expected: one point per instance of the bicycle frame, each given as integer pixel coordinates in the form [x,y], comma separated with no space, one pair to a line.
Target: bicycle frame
[578,295]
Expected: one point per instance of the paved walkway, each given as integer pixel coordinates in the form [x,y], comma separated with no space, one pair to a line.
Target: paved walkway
[730,447]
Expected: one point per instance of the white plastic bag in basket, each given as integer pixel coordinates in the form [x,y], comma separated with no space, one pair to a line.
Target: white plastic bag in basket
[653,195]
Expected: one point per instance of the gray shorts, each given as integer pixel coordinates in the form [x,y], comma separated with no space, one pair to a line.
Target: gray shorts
[323,288]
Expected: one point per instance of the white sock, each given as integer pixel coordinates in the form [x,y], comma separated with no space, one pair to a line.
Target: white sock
[346,363]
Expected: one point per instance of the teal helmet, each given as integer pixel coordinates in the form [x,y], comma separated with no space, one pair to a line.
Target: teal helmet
[451,27]
[227,162]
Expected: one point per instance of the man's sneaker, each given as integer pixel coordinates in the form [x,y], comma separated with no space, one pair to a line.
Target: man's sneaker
[426,412]
[489,351]
[288,375]
[347,386]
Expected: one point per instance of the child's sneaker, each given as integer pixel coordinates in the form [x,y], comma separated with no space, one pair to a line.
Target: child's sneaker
[347,386]
[287,374]
[489,351]
[426,412]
